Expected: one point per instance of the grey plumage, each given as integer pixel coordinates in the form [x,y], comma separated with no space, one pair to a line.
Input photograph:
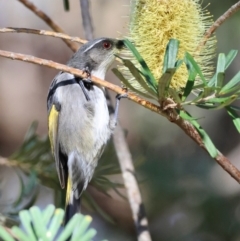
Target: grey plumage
[83,125]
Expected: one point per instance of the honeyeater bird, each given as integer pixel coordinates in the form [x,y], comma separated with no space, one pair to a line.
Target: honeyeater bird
[78,118]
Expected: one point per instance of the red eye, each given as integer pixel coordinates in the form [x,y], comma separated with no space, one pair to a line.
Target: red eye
[107,45]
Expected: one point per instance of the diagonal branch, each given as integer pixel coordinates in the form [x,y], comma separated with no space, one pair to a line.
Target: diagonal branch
[49,22]
[170,114]
[233,9]
[43,32]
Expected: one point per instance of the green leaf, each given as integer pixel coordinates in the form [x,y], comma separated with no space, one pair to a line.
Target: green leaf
[85,222]
[5,235]
[236,108]
[55,223]
[195,66]
[220,71]
[234,81]
[136,74]
[207,91]
[228,60]
[127,84]
[230,57]
[47,213]
[222,99]
[164,83]
[205,138]
[38,223]
[192,73]
[88,235]
[26,222]
[17,232]
[70,227]
[170,56]
[235,117]
[145,70]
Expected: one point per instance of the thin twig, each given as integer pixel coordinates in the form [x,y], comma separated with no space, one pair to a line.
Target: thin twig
[73,46]
[123,152]
[86,19]
[42,32]
[131,185]
[233,9]
[170,114]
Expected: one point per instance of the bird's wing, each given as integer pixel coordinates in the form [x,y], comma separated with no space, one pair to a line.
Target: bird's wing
[53,120]
[54,113]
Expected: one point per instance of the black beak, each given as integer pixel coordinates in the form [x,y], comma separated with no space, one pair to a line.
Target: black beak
[120,44]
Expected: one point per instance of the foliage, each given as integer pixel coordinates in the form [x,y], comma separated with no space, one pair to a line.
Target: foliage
[211,94]
[36,165]
[46,225]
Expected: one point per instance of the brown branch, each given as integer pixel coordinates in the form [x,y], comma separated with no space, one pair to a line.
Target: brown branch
[42,32]
[74,47]
[233,9]
[131,185]
[170,114]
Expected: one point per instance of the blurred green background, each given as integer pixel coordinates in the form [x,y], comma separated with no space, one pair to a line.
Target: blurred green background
[187,196]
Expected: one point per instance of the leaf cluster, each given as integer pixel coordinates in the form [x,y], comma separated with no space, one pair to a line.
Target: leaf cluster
[206,93]
[46,226]
[34,165]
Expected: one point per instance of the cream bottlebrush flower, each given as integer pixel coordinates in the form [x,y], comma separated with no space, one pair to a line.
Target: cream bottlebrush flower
[154,22]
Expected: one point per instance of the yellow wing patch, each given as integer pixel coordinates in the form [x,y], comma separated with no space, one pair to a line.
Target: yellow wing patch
[53,127]
[69,190]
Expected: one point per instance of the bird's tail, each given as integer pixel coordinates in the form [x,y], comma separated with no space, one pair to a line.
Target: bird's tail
[72,203]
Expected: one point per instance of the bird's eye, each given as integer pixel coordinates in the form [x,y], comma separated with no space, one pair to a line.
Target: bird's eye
[107,45]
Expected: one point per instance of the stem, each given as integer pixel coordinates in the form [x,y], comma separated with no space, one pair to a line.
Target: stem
[86,19]
[131,185]
[43,32]
[49,22]
[170,114]
[233,9]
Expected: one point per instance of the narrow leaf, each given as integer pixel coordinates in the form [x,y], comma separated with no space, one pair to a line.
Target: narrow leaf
[234,81]
[128,85]
[89,235]
[21,235]
[196,67]
[55,223]
[145,69]
[135,72]
[85,222]
[230,57]
[234,107]
[5,235]
[164,83]
[220,71]
[235,117]
[205,138]
[69,229]
[38,224]
[192,73]
[170,56]
[26,222]
[47,214]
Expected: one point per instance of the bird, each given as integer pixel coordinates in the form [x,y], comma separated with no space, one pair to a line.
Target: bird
[79,123]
